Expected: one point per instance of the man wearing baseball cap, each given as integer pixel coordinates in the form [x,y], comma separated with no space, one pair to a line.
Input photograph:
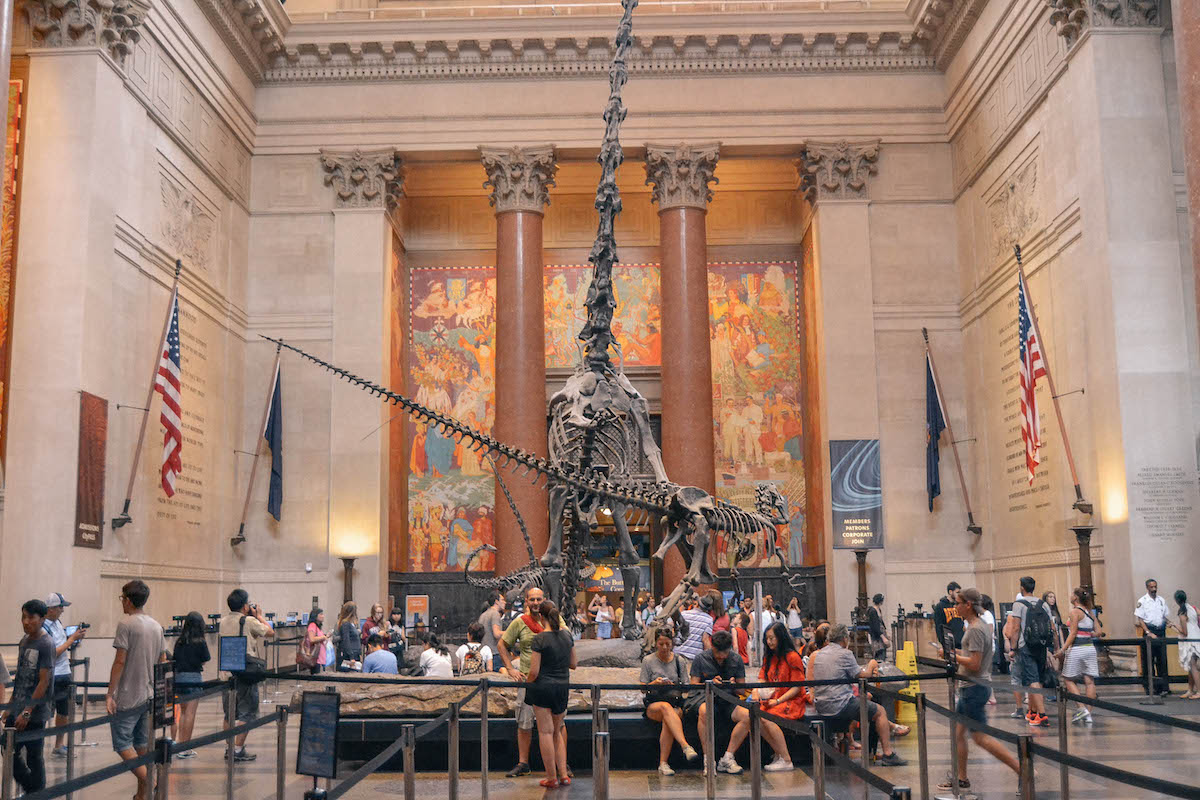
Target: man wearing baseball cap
[55,603]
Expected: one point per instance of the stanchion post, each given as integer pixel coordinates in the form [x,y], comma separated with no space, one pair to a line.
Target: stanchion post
[452,751]
[595,709]
[10,746]
[71,739]
[162,764]
[952,682]
[710,745]
[901,793]
[230,721]
[600,767]
[483,739]
[1064,773]
[864,729]
[1025,757]
[817,734]
[1152,698]
[87,679]
[280,752]
[410,762]
[755,750]
[923,747]
[151,769]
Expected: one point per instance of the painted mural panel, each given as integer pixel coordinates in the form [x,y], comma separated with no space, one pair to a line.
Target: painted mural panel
[756,364]
[8,230]
[451,361]
[636,324]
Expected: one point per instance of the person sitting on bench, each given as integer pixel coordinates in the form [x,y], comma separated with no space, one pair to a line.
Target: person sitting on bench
[717,666]
[660,670]
[781,664]
[835,662]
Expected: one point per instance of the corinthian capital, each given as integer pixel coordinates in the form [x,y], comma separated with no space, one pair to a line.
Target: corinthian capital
[80,23]
[363,178]
[837,170]
[519,177]
[679,175]
[1073,17]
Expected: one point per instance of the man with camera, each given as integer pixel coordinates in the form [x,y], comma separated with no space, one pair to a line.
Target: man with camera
[63,688]
[246,619]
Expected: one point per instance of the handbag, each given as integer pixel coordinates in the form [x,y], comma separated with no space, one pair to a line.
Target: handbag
[306,654]
[672,695]
[256,668]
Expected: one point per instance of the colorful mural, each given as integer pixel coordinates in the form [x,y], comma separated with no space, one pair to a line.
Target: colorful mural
[451,363]
[636,324]
[756,366]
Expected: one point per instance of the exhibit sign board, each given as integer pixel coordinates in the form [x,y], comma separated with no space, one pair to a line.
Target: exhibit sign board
[416,611]
[316,754]
[856,493]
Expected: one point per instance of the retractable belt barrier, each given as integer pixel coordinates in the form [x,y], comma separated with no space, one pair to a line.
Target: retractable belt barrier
[224,735]
[92,778]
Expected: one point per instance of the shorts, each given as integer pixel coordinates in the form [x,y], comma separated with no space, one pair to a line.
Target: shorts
[246,706]
[1030,668]
[551,697]
[852,710]
[972,702]
[1081,660]
[62,695]
[130,733]
[524,712]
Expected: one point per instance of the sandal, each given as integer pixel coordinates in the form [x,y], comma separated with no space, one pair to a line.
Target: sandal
[901,730]
[565,782]
[549,783]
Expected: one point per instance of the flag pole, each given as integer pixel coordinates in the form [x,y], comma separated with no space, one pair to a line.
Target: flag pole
[262,430]
[124,518]
[962,481]
[1080,504]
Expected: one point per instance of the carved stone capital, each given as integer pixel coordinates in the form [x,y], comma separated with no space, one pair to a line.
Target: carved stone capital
[1073,17]
[837,170]
[82,23]
[519,177]
[363,178]
[679,175]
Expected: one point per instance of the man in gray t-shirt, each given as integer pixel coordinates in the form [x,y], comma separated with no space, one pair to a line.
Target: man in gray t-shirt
[492,629]
[978,639]
[139,645]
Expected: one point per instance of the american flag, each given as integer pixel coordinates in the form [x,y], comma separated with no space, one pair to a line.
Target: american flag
[167,384]
[1032,368]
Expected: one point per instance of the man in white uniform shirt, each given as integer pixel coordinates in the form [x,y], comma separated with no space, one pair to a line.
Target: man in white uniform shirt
[1153,618]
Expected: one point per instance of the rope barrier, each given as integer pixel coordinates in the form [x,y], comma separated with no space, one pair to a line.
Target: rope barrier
[1121,776]
[42,733]
[222,735]
[971,724]
[92,778]
[1162,719]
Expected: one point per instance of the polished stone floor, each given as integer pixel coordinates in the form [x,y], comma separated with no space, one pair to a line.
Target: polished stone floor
[1118,741]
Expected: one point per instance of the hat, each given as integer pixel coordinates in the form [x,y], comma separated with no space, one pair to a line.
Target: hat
[54,600]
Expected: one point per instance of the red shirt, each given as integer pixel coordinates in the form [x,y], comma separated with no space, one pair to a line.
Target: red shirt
[742,639]
[790,669]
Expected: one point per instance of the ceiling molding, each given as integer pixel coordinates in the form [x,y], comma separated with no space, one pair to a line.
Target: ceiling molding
[254,30]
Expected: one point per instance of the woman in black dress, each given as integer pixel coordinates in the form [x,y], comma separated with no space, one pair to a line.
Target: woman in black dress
[549,673]
[190,656]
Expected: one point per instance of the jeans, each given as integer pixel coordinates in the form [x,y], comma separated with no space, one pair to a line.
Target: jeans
[29,768]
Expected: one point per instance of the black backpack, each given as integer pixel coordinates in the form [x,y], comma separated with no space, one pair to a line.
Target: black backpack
[1039,628]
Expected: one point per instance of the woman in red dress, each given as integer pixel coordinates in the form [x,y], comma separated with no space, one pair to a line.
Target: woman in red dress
[781,664]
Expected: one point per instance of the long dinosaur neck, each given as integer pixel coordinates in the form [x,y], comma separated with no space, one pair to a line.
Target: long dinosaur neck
[601,300]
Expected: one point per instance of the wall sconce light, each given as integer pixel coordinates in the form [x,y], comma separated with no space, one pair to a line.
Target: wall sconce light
[348,578]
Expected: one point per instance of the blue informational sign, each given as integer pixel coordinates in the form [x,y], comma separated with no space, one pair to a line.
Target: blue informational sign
[232,654]
[316,754]
[856,494]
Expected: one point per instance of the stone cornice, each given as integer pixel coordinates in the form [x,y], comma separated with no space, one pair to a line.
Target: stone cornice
[680,174]
[1073,18]
[108,24]
[519,177]
[254,30]
[363,178]
[837,170]
[941,26]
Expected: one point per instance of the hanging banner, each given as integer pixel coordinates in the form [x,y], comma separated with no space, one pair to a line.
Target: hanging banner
[89,479]
[856,492]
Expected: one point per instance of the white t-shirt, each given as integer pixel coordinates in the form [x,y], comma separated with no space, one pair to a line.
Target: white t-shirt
[436,665]
[1152,611]
[989,620]
[485,654]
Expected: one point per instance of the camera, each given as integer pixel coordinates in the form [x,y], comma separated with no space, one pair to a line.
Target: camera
[83,626]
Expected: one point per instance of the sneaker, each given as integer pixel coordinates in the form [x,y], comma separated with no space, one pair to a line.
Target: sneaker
[186,754]
[892,759]
[1018,713]
[665,770]
[59,752]
[1079,715]
[520,769]
[244,755]
[1038,721]
[690,753]
[728,764]
[946,785]
[779,765]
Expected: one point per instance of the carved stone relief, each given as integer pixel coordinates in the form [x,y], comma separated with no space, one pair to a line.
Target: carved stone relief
[837,170]
[363,178]
[188,228]
[1072,17]
[680,175]
[519,177]
[79,23]
[1013,209]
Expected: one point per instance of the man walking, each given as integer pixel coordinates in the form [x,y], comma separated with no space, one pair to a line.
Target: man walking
[32,689]
[1030,635]
[836,662]
[140,645]
[974,662]
[1153,618]
[63,689]
[945,616]
[244,619]
[492,631]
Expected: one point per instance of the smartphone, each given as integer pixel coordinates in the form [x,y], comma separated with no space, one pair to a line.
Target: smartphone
[70,629]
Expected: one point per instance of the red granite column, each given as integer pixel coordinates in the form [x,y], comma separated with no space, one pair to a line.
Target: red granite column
[1186,24]
[680,176]
[520,179]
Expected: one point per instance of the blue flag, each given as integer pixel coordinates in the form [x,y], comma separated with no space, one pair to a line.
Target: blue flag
[935,423]
[274,436]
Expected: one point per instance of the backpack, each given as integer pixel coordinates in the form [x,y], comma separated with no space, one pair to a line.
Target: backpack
[1039,628]
[472,662]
